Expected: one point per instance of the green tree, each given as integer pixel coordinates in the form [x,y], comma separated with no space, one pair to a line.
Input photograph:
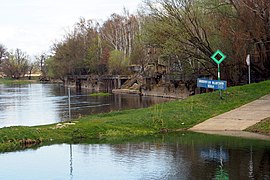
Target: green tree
[118,63]
[179,29]
[78,53]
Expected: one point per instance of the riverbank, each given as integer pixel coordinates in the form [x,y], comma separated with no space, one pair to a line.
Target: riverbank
[262,127]
[15,81]
[170,116]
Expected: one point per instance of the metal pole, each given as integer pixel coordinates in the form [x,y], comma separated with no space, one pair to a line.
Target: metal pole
[69,109]
[248,64]
[219,80]
[249,76]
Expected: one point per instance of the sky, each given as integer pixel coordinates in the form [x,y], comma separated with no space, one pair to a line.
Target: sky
[34,25]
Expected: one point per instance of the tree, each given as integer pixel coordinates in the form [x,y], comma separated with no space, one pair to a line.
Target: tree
[32,68]
[187,32]
[79,53]
[40,63]
[53,68]
[180,30]
[118,63]
[16,65]
[120,31]
[139,55]
[252,33]
[3,53]
[3,56]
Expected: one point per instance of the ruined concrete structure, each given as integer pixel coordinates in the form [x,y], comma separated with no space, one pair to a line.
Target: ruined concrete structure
[95,82]
[159,85]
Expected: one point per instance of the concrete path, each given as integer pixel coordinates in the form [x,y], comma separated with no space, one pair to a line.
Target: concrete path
[237,119]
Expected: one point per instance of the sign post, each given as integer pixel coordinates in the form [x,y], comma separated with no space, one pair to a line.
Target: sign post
[218,60]
[69,108]
[248,63]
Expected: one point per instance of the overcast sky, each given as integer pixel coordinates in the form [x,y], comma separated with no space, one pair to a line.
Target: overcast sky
[33,25]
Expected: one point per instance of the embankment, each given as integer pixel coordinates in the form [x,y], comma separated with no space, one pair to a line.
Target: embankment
[169,116]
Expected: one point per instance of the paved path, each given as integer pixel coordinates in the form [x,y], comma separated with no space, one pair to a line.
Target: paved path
[237,119]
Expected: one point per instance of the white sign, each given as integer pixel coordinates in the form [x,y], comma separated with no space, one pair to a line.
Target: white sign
[248,60]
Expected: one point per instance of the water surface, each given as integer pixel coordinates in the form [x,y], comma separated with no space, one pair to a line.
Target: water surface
[38,104]
[175,156]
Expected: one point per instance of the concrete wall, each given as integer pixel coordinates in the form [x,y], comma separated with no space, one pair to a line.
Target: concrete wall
[168,90]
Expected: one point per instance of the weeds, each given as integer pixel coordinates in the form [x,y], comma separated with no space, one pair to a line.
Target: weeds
[157,119]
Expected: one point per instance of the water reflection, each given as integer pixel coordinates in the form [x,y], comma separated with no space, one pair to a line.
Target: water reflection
[71,161]
[167,157]
[37,104]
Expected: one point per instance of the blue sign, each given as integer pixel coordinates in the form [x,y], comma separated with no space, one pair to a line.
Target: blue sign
[212,84]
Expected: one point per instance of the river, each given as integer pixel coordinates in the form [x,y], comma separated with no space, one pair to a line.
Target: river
[173,156]
[182,155]
[39,104]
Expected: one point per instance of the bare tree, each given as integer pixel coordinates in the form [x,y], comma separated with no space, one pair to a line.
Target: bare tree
[16,65]
[180,30]
[3,53]
[120,32]
[253,32]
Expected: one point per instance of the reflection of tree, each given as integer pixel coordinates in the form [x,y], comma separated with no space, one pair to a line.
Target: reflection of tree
[190,156]
[168,159]
[263,171]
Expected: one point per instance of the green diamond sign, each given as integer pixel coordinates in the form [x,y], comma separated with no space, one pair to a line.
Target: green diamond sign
[218,53]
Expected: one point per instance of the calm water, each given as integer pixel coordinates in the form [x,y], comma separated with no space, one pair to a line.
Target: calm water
[175,156]
[38,104]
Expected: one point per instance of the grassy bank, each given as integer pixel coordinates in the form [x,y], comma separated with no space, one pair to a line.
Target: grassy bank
[262,127]
[170,116]
[15,81]
[101,94]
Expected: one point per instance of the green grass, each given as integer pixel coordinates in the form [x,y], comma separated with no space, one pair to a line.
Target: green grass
[99,94]
[170,116]
[16,81]
[262,127]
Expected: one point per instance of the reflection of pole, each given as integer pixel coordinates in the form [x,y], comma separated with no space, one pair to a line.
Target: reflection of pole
[250,167]
[69,109]
[71,162]
[220,156]
[221,174]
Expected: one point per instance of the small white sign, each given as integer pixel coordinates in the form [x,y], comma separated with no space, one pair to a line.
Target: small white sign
[248,60]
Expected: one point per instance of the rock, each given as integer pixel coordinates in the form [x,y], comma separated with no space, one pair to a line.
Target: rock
[69,124]
[164,130]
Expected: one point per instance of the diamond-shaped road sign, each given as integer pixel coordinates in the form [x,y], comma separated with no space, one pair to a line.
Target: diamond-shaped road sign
[214,56]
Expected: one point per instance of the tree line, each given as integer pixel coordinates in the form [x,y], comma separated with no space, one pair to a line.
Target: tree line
[16,63]
[92,48]
[180,34]
[188,32]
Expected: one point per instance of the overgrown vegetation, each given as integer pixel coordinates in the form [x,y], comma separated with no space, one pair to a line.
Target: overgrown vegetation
[170,116]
